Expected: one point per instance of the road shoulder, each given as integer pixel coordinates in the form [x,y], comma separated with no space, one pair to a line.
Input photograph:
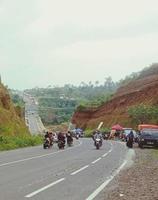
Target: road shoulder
[137,182]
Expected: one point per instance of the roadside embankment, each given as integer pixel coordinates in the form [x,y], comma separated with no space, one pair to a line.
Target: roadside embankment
[15,142]
[140,182]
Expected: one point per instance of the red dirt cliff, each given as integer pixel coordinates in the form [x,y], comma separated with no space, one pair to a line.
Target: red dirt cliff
[142,90]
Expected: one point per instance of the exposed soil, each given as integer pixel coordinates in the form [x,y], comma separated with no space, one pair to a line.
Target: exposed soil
[140,182]
[11,122]
[144,90]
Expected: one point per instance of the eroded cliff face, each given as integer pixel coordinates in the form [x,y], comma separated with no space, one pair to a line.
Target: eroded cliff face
[143,90]
[10,122]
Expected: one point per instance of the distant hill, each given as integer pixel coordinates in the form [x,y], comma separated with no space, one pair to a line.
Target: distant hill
[143,88]
[57,104]
[10,121]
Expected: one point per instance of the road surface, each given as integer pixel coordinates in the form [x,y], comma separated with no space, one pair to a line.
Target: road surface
[76,173]
[32,119]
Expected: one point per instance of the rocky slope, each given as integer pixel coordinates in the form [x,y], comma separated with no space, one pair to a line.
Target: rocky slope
[10,122]
[144,89]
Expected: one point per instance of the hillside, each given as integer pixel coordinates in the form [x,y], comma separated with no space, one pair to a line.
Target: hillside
[10,122]
[57,104]
[143,89]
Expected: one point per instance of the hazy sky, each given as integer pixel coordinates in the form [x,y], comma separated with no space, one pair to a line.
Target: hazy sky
[53,42]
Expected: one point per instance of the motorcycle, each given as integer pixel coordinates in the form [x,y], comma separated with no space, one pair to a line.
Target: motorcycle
[47,143]
[77,136]
[98,143]
[61,144]
[69,143]
[129,142]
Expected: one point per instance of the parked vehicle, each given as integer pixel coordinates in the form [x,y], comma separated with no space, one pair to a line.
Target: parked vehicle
[148,137]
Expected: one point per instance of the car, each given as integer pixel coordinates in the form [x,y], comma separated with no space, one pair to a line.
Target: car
[148,137]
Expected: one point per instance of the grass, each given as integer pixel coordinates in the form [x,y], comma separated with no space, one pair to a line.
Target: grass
[14,142]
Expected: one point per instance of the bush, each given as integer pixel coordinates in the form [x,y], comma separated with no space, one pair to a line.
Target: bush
[143,113]
[81,108]
[88,133]
[13,142]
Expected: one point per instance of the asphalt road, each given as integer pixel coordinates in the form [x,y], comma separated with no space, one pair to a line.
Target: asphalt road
[32,118]
[76,173]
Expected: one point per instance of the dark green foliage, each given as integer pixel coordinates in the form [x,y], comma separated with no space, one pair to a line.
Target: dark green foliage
[141,114]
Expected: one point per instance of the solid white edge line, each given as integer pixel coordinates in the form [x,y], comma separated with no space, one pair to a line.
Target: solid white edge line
[102,186]
[44,188]
[96,160]
[35,157]
[79,170]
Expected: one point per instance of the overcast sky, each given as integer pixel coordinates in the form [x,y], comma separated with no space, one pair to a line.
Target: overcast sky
[53,42]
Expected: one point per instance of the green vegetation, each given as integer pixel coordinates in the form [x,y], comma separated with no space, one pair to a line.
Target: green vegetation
[147,71]
[93,104]
[16,98]
[141,114]
[89,132]
[14,142]
[57,104]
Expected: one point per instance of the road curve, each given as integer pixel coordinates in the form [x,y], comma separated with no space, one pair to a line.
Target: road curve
[76,173]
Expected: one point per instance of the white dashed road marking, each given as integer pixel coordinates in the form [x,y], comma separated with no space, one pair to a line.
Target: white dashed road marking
[44,188]
[76,172]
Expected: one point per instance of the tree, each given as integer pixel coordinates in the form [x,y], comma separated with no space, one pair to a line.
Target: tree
[143,113]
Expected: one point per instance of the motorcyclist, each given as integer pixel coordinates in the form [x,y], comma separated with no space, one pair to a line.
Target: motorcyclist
[61,137]
[46,135]
[61,140]
[130,139]
[48,139]
[98,135]
[69,138]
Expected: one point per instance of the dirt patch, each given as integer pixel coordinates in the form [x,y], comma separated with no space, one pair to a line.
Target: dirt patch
[140,182]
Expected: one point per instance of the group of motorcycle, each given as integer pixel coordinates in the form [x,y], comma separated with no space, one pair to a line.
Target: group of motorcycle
[62,138]
[98,139]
